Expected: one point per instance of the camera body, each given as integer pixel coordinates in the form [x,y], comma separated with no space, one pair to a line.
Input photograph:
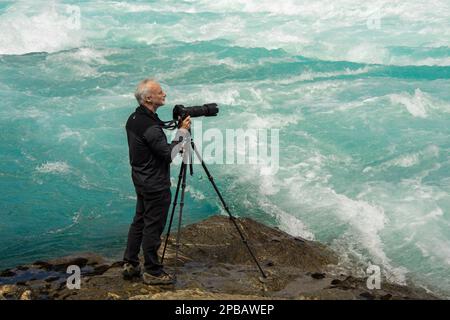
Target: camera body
[207,110]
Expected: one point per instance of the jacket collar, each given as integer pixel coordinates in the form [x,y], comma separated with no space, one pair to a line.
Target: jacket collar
[144,110]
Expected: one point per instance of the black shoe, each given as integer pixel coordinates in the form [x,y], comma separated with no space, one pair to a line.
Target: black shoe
[161,279]
[129,271]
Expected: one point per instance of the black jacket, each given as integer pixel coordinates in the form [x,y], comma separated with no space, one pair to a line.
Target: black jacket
[150,154]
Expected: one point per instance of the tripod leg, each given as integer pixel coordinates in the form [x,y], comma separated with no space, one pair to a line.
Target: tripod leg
[180,216]
[174,204]
[232,218]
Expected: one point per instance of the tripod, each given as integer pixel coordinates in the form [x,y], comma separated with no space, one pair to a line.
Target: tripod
[187,157]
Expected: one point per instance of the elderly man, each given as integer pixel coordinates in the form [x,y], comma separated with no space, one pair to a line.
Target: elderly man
[150,158]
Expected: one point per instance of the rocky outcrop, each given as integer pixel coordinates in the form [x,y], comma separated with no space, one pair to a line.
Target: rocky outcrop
[213,263]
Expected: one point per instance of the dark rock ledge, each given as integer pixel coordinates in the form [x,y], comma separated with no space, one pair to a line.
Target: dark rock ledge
[213,264]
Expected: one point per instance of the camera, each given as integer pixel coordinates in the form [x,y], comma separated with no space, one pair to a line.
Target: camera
[207,110]
[180,112]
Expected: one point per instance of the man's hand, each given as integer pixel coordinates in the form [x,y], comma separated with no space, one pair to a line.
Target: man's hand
[186,124]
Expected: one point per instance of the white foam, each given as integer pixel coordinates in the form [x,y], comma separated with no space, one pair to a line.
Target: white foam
[222,94]
[287,222]
[367,221]
[407,161]
[154,7]
[130,7]
[305,28]
[83,62]
[75,220]
[36,27]
[417,104]
[408,61]
[68,133]
[277,121]
[301,28]
[325,30]
[435,249]
[195,193]
[57,167]
[86,55]
[33,113]
[416,221]
[367,53]
[268,186]
[311,75]
[364,220]
[433,215]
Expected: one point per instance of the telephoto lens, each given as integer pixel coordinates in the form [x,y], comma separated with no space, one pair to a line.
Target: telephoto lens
[207,110]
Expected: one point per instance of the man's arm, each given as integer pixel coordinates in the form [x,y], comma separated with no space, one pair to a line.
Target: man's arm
[157,142]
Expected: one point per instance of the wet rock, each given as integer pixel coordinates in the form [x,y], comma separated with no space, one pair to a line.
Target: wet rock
[318,275]
[52,278]
[67,295]
[43,264]
[117,264]
[37,284]
[262,279]
[63,263]
[112,296]
[141,297]
[7,273]
[336,282]
[81,260]
[213,263]
[269,263]
[216,239]
[9,291]
[350,283]
[101,269]
[26,295]
[367,295]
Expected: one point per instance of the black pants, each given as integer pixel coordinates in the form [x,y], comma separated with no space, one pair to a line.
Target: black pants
[146,229]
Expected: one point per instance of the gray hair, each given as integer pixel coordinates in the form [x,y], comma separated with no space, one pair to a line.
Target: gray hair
[142,90]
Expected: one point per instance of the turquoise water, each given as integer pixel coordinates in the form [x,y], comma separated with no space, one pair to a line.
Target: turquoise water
[362,105]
